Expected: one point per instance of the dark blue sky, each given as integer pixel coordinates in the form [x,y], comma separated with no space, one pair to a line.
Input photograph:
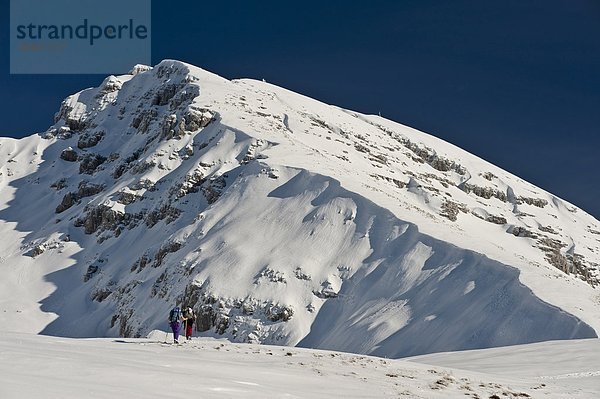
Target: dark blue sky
[515,82]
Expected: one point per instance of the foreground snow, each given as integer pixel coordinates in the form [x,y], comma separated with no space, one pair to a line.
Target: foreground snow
[51,367]
[575,363]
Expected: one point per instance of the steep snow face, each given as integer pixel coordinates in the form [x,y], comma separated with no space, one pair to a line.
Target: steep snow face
[280,220]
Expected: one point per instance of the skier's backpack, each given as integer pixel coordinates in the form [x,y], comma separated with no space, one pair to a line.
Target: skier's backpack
[175,314]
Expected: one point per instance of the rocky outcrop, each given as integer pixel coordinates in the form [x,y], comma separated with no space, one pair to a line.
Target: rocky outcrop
[547,229]
[518,231]
[496,219]
[213,188]
[144,119]
[139,68]
[69,155]
[110,85]
[143,184]
[197,118]
[270,275]
[85,189]
[75,122]
[127,164]
[88,140]
[172,127]
[127,197]
[93,269]
[484,192]
[59,184]
[184,97]
[68,201]
[206,318]
[141,263]
[90,162]
[191,184]
[539,202]
[301,275]
[489,176]
[569,263]
[426,155]
[277,313]
[166,249]
[37,250]
[73,115]
[450,210]
[99,218]
[165,212]
[242,319]
[141,167]
[165,93]
[396,182]
[327,291]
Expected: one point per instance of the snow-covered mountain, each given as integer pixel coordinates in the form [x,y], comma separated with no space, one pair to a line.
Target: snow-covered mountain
[281,220]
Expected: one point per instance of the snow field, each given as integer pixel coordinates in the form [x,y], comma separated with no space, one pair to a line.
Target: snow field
[52,367]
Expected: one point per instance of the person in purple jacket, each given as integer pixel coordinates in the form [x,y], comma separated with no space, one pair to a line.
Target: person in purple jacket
[174,322]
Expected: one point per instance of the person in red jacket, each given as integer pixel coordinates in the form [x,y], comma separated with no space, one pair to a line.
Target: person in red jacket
[189,318]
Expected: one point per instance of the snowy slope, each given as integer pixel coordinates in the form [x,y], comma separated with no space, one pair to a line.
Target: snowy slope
[145,368]
[574,363]
[281,220]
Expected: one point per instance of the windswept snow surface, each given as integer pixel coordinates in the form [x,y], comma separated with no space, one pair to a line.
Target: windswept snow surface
[281,220]
[61,368]
[575,363]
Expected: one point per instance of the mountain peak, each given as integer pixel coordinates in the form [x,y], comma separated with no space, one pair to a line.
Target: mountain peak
[281,219]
